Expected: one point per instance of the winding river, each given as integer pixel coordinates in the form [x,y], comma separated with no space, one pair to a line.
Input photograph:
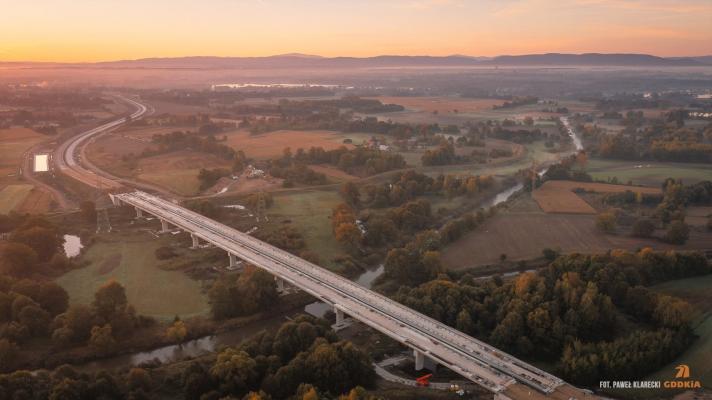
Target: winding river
[207,344]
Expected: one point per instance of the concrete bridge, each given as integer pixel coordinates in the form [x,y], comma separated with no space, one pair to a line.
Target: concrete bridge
[498,372]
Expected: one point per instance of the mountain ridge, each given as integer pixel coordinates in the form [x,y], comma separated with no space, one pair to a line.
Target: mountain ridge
[298,60]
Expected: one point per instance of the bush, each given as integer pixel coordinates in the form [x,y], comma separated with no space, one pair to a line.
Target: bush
[606,222]
[678,232]
[164,253]
[550,254]
[643,228]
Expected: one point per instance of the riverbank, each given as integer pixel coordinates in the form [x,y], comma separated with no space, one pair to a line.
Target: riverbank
[204,336]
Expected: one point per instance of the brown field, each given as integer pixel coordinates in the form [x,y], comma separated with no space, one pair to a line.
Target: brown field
[243,186]
[12,196]
[178,171]
[523,235]
[558,196]
[272,144]
[14,142]
[441,104]
[333,172]
[38,201]
[697,215]
[133,140]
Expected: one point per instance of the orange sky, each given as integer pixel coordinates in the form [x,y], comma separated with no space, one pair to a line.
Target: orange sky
[95,30]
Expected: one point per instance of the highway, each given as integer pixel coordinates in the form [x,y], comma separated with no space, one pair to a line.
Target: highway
[67,163]
[472,358]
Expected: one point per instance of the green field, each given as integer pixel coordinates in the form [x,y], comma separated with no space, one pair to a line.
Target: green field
[129,259]
[698,292]
[310,212]
[535,152]
[12,196]
[183,181]
[648,173]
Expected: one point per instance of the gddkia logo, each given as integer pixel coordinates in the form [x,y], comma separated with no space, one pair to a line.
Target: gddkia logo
[682,379]
[683,371]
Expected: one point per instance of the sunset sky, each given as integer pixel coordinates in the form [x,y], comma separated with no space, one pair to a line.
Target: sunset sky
[94,30]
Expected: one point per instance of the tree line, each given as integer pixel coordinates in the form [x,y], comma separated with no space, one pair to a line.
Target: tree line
[302,360]
[570,312]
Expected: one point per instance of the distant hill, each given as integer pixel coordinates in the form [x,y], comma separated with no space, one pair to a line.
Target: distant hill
[594,59]
[296,61]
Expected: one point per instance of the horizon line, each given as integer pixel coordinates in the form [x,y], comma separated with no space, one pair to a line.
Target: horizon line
[317,56]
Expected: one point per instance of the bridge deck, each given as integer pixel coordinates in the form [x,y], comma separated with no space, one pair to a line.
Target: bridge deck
[472,358]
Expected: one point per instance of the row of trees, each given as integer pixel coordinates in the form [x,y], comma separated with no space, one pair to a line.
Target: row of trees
[409,185]
[302,356]
[301,360]
[660,139]
[360,160]
[30,309]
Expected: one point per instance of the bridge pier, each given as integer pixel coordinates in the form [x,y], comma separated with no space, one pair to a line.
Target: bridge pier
[196,241]
[280,284]
[233,260]
[419,359]
[339,316]
[139,213]
[115,200]
[164,226]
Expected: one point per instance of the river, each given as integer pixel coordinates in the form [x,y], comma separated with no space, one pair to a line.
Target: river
[207,344]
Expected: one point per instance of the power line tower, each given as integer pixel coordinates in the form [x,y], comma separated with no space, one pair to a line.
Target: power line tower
[261,206]
[534,174]
[102,215]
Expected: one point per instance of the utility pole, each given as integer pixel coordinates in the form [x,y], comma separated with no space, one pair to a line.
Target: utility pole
[261,206]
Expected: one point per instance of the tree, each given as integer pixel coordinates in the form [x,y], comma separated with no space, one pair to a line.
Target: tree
[350,193]
[45,241]
[18,260]
[550,254]
[78,320]
[35,319]
[9,353]
[581,160]
[235,370]
[677,233]
[348,234]
[139,378]
[109,299]
[177,332]
[672,312]
[606,222]
[464,322]
[67,389]
[88,211]
[643,228]
[101,339]
[52,298]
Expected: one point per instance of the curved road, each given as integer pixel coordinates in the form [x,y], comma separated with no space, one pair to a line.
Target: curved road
[65,155]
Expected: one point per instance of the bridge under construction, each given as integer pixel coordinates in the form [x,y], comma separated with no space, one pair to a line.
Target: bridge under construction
[503,374]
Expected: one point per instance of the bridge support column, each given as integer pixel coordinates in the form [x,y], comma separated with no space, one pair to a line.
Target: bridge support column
[115,200]
[139,213]
[419,360]
[339,316]
[233,260]
[280,284]
[196,241]
[164,226]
